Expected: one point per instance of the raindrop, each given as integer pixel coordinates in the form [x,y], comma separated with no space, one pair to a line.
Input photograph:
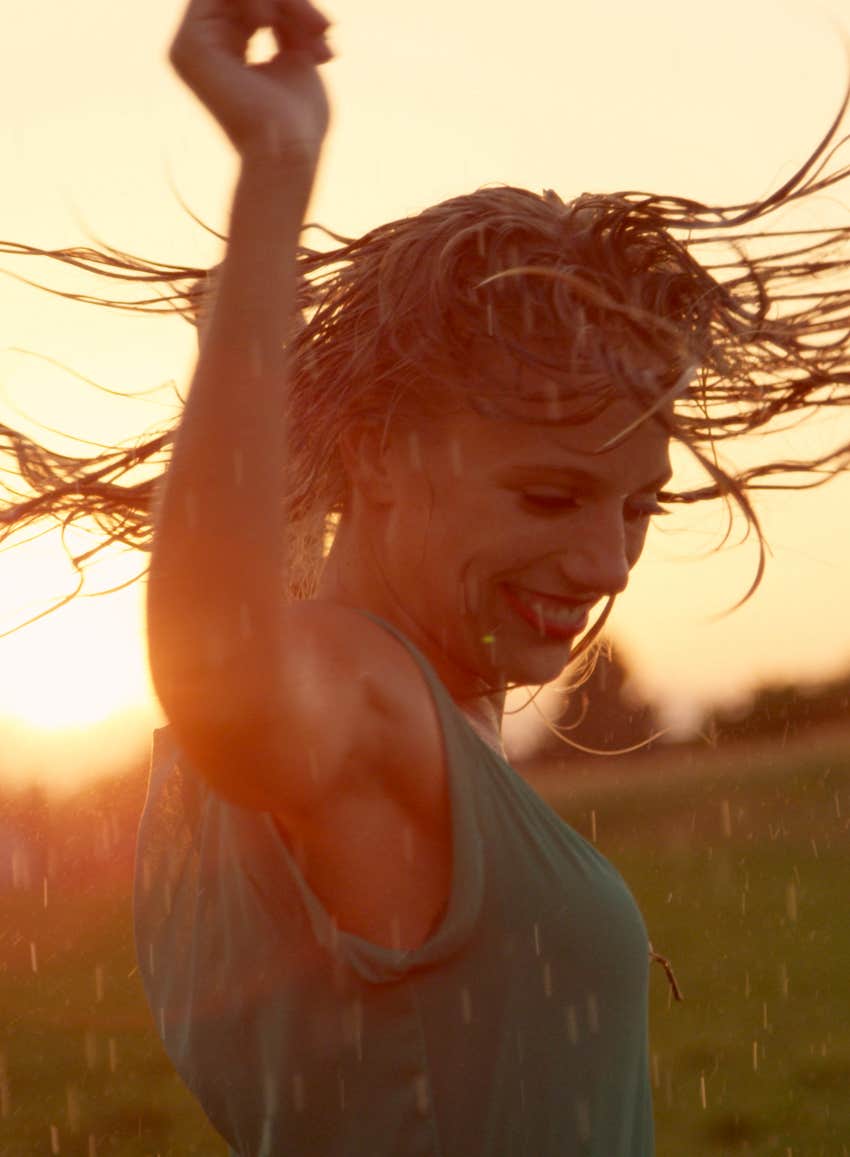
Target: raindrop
[764,1015]
[572,1024]
[214,648]
[407,836]
[414,450]
[357,1012]
[190,502]
[44,890]
[33,957]
[90,1046]
[266,1138]
[313,764]
[783,979]
[702,1094]
[527,313]
[341,1083]
[298,1092]
[791,901]
[755,1056]
[92,1146]
[5,1091]
[255,352]
[547,979]
[456,459]
[592,1012]
[815,847]
[73,1103]
[54,1139]
[537,939]
[727,817]
[269,1093]
[593,825]
[583,1118]
[466,1005]
[837,806]
[421,1085]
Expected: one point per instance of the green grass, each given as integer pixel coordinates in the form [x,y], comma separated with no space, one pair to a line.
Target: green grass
[743,876]
[741,869]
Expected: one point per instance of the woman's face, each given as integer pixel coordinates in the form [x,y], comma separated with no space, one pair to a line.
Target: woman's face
[503,535]
[493,539]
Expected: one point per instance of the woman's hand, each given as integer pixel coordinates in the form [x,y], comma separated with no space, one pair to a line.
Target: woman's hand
[276,110]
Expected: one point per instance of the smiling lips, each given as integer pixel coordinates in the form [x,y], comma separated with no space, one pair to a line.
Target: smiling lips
[551,616]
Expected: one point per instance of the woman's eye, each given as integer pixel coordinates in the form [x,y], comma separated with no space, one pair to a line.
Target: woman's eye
[560,503]
[550,502]
[646,509]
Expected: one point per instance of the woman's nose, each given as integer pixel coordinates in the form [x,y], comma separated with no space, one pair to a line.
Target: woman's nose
[596,559]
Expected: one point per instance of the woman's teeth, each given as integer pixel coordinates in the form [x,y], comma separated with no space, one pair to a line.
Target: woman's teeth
[550,611]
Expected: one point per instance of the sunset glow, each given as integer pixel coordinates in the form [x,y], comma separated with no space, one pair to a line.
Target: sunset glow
[105,141]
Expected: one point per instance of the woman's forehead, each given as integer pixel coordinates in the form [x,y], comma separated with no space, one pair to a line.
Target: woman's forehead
[500,443]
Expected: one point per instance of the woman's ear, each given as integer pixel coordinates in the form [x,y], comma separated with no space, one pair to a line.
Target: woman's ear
[364,447]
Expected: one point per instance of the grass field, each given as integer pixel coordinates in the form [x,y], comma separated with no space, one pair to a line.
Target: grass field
[741,866]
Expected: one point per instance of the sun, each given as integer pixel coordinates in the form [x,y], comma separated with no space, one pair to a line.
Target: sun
[79,665]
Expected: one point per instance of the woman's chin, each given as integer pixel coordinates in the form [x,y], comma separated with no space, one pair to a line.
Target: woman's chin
[531,665]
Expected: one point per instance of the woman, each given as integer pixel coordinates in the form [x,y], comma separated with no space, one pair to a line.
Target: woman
[359,931]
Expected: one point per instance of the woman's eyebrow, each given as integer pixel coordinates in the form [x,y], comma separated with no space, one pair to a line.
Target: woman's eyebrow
[587,477]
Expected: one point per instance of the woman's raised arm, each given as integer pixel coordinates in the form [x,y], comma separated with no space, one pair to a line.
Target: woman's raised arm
[217,575]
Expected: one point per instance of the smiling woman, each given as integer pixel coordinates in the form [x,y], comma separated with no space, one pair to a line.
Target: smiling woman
[410,467]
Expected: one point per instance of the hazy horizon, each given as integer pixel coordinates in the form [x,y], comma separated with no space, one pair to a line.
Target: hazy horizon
[560,100]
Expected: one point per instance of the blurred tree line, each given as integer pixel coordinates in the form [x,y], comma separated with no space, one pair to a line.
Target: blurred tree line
[87,840]
[606,714]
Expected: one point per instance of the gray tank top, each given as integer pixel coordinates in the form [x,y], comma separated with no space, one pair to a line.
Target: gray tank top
[518,1029]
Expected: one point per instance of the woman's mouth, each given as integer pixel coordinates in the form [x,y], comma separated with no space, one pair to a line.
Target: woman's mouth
[551,617]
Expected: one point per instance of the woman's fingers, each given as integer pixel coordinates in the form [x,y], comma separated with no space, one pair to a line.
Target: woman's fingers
[300,27]
[303,13]
[282,100]
[228,25]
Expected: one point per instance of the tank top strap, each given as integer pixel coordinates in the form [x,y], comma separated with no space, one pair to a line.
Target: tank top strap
[458,733]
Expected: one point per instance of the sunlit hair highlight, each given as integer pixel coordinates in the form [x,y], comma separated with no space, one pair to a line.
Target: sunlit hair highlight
[714,325]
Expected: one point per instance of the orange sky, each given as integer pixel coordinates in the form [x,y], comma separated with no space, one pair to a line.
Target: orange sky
[429,101]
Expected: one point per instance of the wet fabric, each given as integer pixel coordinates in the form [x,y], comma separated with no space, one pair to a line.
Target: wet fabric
[518,1029]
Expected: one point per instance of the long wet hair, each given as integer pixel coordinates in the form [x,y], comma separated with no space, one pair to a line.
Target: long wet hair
[715,325]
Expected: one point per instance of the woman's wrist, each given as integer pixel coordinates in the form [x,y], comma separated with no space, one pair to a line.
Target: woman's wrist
[293,162]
